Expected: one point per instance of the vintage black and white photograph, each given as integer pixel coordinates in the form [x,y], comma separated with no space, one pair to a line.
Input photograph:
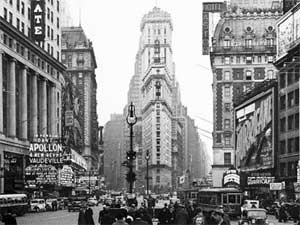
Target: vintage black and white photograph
[149,112]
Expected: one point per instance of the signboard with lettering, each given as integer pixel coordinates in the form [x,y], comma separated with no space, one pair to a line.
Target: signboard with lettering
[231,178]
[261,181]
[69,118]
[275,186]
[41,174]
[38,20]
[66,176]
[254,132]
[207,33]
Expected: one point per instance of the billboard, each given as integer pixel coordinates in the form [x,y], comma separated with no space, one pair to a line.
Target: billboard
[38,20]
[207,33]
[254,132]
[288,29]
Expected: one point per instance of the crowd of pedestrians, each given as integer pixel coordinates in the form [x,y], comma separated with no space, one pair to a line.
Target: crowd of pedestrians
[173,214]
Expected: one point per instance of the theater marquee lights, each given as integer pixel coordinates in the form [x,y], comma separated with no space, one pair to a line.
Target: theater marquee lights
[38,20]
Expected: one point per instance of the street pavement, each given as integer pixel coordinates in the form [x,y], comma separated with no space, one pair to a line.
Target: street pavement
[63,217]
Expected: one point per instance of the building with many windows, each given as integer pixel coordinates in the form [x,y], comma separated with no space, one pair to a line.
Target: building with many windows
[288,64]
[18,13]
[31,83]
[79,58]
[243,49]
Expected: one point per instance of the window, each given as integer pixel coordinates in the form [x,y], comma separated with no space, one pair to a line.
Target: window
[270,59]
[290,76]
[227,107]
[218,138]
[282,124]
[270,42]
[227,75]
[238,59]
[227,140]
[227,91]
[48,13]
[57,22]
[5,13]
[227,43]
[248,75]
[297,144]
[297,73]
[51,34]
[165,31]
[22,28]
[10,18]
[57,5]
[22,8]
[18,24]
[283,169]
[282,102]
[18,5]
[48,48]
[29,13]
[297,121]
[227,123]
[11,2]
[271,74]
[290,145]
[227,158]
[157,178]
[282,80]
[51,17]
[51,51]
[248,59]
[48,31]
[291,99]
[227,60]
[248,43]
[282,147]
[290,122]
[259,59]
[297,96]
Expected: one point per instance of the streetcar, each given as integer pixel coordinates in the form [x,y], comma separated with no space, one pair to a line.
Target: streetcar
[229,198]
[18,203]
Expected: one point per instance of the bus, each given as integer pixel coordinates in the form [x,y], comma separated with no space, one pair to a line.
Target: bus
[18,203]
[229,198]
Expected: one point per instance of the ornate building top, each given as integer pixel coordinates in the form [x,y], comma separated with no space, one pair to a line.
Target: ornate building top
[156,15]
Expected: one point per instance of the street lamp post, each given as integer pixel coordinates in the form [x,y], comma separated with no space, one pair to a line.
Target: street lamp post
[131,120]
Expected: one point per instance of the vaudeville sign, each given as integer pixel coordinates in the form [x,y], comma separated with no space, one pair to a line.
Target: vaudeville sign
[38,20]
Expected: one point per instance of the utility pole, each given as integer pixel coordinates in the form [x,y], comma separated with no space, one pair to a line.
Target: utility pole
[131,155]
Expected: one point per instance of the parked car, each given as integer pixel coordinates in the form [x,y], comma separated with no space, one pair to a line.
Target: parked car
[37,205]
[92,202]
[75,203]
[62,203]
[254,216]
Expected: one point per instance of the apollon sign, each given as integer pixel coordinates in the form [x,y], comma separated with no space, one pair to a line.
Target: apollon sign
[46,153]
[38,20]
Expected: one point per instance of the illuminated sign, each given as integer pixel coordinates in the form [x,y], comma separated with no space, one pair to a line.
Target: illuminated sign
[231,178]
[260,180]
[66,176]
[254,132]
[46,153]
[38,20]
[41,174]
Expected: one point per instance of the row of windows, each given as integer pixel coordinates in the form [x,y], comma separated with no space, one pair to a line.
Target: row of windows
[289,78]
[292,123]
[247,59]
[289,100]
[249,43]
[288,169]
[50,17]
[248,75]
[289,146]
[20,49]
[227,139]
[158,31]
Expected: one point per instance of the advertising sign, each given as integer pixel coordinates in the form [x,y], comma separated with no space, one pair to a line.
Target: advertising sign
[207,33]
[261,181]
[46,151]
[38,20]
[231,178]
[254,132]
[69,118]
[41,174]
[288,32]
[275,186]
[66,176]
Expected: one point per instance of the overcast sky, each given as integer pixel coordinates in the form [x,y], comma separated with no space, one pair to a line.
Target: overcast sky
[114,28]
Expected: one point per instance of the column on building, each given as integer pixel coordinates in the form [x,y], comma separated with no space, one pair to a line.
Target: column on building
[23,93]
[12,98]
[43,106]
[53,119]
[33,105]
[1,93]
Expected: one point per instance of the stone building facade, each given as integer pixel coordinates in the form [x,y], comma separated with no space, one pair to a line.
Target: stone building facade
[31,82]
[244,47]
[79,58]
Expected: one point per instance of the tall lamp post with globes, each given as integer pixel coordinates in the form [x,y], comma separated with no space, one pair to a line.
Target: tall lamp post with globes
[131,119]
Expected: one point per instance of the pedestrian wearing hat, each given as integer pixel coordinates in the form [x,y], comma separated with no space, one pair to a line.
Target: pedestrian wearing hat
[218,216]
[181,216]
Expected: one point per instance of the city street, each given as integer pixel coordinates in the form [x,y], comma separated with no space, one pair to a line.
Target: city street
[64,217]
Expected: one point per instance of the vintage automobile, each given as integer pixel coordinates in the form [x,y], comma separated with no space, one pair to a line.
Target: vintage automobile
[254,216]
[75,203]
